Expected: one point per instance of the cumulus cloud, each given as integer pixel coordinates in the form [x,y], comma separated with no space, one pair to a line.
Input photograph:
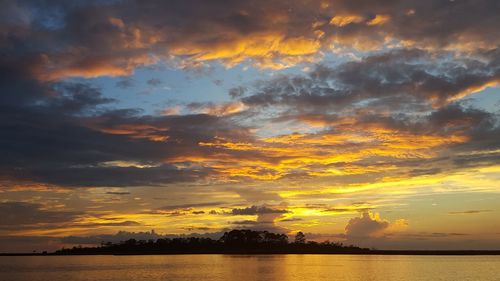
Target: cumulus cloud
[370,225]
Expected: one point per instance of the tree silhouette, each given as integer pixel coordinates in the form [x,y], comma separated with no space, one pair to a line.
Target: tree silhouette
[300,238]
[236,241]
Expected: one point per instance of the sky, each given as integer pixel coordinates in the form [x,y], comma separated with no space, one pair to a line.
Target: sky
[374,123]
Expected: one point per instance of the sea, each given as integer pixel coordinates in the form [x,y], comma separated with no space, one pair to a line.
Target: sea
[250,267]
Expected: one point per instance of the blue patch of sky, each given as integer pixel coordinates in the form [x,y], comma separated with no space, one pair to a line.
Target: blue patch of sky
[170,86]
[487,99]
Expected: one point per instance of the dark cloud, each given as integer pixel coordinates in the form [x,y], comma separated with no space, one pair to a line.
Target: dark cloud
[431,235]
[424,172]
[245,222]
[114,37]
[444,23]
[265,222]
[190,206]
[396,79]
[66,134]
[237,92]
[15,214]
[125,83]
[346,210]
[292,219]
[100,224]
[118,193]
[267,217]
[108,176]
[467,212]
[154,82]
[256,210]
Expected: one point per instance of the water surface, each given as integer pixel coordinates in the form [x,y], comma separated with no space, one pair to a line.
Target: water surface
[255,267]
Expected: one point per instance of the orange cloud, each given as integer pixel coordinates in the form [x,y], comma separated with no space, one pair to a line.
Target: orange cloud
[378,20]
[282,155]
[77,65]
[267,49]
[343,20]
[115,40]
[222,109]
[137,131]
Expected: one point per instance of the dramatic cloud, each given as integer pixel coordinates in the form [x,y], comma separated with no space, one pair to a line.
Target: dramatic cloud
[125,148]
[64,137]
[396,79]
[279,115]
[113,38]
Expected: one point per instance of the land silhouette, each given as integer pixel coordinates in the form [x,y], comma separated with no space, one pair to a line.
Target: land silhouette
[236,241]
[243,241]
[239,241]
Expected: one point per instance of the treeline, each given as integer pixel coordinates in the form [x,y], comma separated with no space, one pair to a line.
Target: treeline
[232,242]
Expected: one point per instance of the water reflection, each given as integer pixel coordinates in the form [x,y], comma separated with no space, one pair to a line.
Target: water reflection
[249,268]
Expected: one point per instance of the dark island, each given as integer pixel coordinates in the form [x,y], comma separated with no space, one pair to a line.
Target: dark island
[233,242]
[248,242]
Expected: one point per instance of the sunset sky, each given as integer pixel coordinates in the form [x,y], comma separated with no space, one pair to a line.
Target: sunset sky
[373,123]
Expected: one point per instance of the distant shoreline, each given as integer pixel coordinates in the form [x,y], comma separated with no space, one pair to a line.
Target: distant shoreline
[240,242]
[370,252]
